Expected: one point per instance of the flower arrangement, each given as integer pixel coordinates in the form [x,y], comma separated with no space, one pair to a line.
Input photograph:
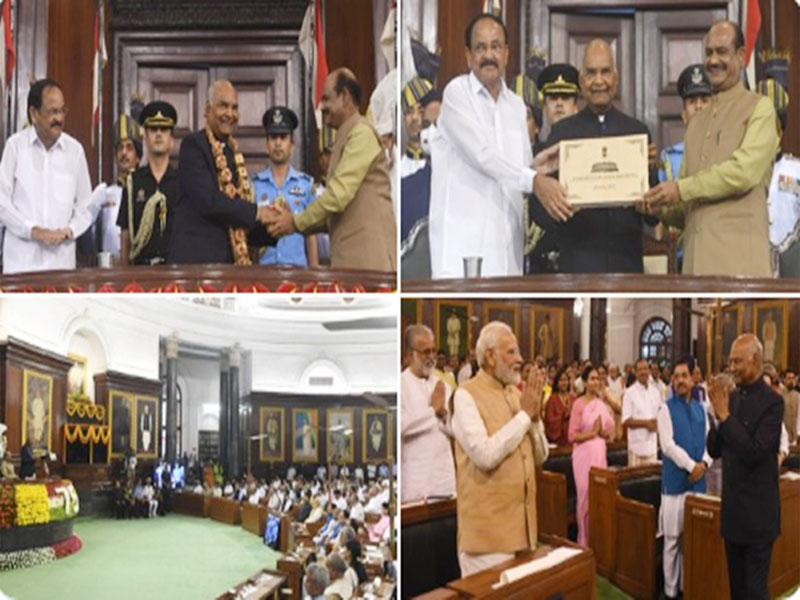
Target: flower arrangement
[8,506]
[33,504]
[22,559]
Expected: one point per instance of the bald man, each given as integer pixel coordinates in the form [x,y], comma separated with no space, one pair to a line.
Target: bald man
[598,240]
[747,435]
[356,207]
[216,219]
[722,186]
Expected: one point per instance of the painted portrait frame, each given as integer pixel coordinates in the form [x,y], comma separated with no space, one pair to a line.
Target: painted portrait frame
[313,415]
[543,309]
[490,307]
[29,377]
[367,416]
[329,435]
[779,359]
[264,413]
[149,401]
[112,396]
[440,337]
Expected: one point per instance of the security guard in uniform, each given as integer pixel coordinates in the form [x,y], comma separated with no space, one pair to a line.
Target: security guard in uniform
[280,183]
[559,86]
[695,91]
[146,220]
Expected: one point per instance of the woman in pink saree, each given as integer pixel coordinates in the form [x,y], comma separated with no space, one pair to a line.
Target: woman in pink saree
[590,425]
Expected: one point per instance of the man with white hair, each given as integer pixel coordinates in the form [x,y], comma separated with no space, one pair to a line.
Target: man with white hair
[500,438]
[427,468]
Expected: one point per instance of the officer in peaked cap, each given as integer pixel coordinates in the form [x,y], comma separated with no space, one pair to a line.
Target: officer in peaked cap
[413,158]
[695,90]
[150,192]
[525,87]
[279,120]
[559,87]
[281,183]
[158,114]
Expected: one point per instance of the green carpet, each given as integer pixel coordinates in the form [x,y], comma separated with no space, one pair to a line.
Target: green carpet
[176,557]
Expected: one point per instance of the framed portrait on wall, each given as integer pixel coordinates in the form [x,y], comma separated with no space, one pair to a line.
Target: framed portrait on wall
[731,325]
[547,333]
[122,406]
[453,326]
[339,438]
[37,410]
[305,435]
[507,312]
[771,326]
[270,429]
[376,435]
[147,432]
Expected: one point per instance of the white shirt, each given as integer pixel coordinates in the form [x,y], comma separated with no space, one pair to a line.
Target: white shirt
[427,459]
[357,512]
[784,199]
[42,188]
[660,386]
[464,373]
[672,450]
[409,166]
[481,159]
[617,385]
[106,200]
[342,586]
[641,402]
[486,451]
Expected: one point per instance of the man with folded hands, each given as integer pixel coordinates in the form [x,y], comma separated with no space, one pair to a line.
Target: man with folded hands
[499,440]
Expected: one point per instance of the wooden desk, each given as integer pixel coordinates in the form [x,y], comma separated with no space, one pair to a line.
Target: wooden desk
[551,502]
[286,533]
[603,486]
[573,578]
[266,585]
[293,566]
[195,278]
[438,594]
[187,503]
[225,510]
[704,562]
[602,284]
[254,518]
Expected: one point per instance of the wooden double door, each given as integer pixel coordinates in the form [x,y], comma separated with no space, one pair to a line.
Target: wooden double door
[651,48]
[265,69]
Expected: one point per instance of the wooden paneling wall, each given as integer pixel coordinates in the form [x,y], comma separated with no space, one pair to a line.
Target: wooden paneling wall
[321,404]
[69,61]
[571,330]
[787,25]
[793,339]
[350,43]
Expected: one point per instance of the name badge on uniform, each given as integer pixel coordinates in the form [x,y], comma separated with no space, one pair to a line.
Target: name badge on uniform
[297,191]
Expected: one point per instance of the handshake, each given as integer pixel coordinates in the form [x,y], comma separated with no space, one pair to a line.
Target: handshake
[51,237]
[277,218]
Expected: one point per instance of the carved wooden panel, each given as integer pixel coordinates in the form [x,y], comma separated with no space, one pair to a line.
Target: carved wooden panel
[266,68]
[670,42]
[207,14]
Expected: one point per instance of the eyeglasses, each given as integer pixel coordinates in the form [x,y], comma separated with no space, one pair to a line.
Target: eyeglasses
[54,112]
[426,351]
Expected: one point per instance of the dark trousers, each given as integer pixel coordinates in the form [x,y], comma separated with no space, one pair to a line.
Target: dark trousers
[748,570]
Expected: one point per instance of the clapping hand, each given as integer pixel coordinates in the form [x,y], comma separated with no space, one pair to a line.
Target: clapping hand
[718,395]
[531,400]
[438,398]
[598,426]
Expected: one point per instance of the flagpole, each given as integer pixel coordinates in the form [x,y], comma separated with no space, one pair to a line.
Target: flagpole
[99,66]
[309,93]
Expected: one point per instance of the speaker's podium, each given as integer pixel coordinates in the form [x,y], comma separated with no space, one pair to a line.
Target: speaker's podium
[570,578]
[211,278]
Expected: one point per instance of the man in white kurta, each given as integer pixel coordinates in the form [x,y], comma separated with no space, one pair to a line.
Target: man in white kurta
[45,190]
[682,431]
[427,468]
[640,406]
[481,164]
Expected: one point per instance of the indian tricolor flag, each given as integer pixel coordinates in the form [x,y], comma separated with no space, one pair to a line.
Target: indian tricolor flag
[751,17]
[100,59]
[312,47]
[6,46]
